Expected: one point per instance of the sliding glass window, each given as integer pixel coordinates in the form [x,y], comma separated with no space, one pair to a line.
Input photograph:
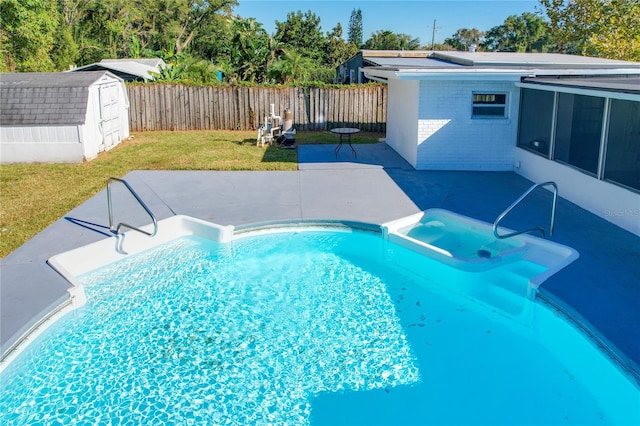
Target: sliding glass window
[622,163]
[536,118]
[579,131]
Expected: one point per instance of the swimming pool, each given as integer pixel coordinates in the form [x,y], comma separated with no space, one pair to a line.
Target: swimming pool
[317,325]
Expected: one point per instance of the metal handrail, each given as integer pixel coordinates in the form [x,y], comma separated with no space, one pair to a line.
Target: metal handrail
[518,201]
[144,206]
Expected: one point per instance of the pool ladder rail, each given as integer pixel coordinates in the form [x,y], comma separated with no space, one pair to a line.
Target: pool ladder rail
[518,201]
[116,229]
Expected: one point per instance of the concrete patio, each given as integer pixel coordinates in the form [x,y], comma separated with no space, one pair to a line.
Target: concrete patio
[601,289]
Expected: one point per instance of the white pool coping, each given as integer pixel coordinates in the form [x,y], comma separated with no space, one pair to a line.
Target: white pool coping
[73,263]
[553,256]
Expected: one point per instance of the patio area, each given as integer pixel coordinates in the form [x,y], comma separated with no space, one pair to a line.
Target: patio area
[600,288]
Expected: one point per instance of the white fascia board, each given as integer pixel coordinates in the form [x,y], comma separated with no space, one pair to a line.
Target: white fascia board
[483,75]
[602,72]
[501,74]
[385,74]
[450,74]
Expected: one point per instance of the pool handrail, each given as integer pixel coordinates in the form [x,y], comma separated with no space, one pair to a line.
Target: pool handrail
[518,201]
[138,199]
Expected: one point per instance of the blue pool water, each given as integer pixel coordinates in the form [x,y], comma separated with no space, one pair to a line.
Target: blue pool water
[316,327]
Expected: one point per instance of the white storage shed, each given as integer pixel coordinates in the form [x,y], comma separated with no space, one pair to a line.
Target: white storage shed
[61,117]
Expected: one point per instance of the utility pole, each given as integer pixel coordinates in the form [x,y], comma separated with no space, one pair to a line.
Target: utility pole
[433,34]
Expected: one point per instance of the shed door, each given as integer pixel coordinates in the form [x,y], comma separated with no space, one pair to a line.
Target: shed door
[109,115]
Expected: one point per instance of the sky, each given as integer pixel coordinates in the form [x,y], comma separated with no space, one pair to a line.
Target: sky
[414,18]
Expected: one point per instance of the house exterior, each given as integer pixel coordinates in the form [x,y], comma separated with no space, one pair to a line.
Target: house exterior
[61,117]
[550,117]
[142,70]
[352,70]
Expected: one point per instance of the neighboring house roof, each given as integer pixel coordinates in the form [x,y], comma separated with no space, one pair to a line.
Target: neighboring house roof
[46,98]
[388,57]
[395,58]
[150,62]
[367,53]
[423,62]
[128,69]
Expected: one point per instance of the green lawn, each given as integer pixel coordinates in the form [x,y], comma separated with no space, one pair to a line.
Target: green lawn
[32,196]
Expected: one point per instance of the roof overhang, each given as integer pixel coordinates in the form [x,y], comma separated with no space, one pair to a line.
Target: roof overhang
[487,73]
[390,73]
[620,87]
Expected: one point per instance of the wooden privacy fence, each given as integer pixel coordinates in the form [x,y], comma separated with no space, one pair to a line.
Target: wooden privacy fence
[178,107]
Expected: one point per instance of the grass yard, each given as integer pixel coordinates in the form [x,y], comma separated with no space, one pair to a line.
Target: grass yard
[32,196]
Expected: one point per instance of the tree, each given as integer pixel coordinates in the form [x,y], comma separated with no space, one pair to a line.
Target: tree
[193,14]
[214,38]
[184,68]
[249,49]
[618,32]
[27,32]
[65,49]
[107,28]
[388,40]
[607,28]
[524,33]
[337,49]
[355,28]
[292,67]
[464,39]
[303,34]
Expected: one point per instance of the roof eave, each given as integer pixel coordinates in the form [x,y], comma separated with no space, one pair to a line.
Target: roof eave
[488,73]
[446,74]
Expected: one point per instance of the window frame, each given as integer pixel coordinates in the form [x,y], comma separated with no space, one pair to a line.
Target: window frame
[608,99]
[552,127]
[505,111]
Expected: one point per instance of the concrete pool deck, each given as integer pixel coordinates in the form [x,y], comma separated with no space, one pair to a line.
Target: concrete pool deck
[602,287]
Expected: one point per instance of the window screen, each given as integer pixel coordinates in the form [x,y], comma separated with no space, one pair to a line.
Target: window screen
[490,105]
[536,119]
[578,131]
[623,146]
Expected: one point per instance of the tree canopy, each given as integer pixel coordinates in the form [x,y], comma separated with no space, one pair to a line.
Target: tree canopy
[524,33]
[355,28]
[202,37]
[302,33]
[605,28]
[388,40]
[28,30]
[465,39]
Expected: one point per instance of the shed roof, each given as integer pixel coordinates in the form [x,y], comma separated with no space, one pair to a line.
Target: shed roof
[46,98]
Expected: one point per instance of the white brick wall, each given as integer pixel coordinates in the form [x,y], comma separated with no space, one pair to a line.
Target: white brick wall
[402,116]
[449,139]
